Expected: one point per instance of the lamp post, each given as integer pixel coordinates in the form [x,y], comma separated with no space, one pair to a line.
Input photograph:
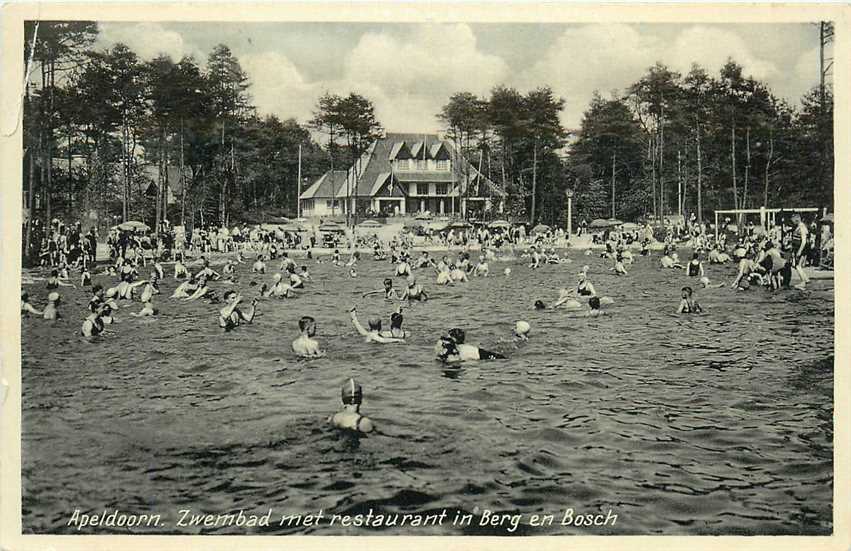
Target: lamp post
[569,194]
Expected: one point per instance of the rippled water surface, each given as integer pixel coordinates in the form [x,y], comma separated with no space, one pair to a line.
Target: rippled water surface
[713,424]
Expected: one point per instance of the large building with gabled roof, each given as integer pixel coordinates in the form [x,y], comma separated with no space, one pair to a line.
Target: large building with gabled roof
[404,174]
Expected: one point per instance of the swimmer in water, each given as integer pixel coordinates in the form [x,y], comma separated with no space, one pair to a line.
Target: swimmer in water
[201,291]
[353,273]
[396,330]
[453,349]
[180,271]
[185,289]
[280,288]
[305,275]
[51,311]
[305,345]
[482,268]
[26,307]
[458,275]
[414,291]
[350,417]
[695,267]
[93,325]
[389,292]
[403,268]
[688,305]
[55,282]
[85,278]
[147,310]
[521,331]
[230,316]
[374,333]
[259,266]
[619,268]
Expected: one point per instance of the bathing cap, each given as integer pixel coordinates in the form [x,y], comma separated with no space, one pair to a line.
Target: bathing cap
[457,335]
[351,393]
[704,280]
[277,277]
[53,297]
[522,328]
[507,271]
[539,305]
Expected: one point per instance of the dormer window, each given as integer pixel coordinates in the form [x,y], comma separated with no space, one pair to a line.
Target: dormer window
[403,164]
[421,164]
[443,165]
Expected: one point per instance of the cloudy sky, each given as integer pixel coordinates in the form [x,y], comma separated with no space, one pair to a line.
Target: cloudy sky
[409,70]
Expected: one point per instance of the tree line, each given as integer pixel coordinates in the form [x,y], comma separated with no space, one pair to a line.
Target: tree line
[671,144]
[104,131]
[94,120]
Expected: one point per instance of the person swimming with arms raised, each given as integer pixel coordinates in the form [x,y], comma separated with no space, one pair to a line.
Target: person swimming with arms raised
[305,345]
[231,316]
[374,333]
[350,418]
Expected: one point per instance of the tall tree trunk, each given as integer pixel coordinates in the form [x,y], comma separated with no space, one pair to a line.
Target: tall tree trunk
[651,152]
[534,179]
[733,165]
[744,201]
[613,184]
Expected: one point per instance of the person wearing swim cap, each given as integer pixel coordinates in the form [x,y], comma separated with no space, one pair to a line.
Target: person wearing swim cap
[396,330]
[26,307]
[521,330]
[51,312]
[230,316]
[457,274]
[305,345]
[350,417]
[373,334]
[453,349]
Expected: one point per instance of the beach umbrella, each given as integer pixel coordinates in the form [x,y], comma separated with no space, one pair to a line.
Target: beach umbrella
[438,226]
[500,224]
[541,228]
[422,217]
[370,224]
[629,226]
[458,225]
[133,225]
[292,227]
[614,222]
[599,223]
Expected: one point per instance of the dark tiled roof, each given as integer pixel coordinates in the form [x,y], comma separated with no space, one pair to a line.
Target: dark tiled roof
[326,185]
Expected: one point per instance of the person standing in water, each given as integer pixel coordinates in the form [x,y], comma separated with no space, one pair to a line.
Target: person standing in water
[350,417]
[800,248]
[305,345]
[230,316]
[688,305]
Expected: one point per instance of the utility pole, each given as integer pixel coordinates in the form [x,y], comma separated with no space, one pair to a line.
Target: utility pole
[534,180]
[825,63]
[298,197]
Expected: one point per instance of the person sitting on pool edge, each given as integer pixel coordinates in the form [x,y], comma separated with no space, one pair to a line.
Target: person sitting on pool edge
[373,334]
[230,316]
[453,349]
[688,305]
[350,417]
[305,345]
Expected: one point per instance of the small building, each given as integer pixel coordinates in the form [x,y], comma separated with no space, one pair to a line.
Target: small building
[404,174]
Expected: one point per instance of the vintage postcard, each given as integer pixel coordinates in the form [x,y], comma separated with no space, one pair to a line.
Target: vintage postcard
[483,272]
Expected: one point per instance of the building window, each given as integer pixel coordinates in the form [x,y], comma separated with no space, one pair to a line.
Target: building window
[331,203]
[403,164]
[421,164]
[443,165]
[412,189]
[441,189]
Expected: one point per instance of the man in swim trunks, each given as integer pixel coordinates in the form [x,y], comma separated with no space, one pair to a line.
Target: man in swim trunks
[350,417]
[695,267]
[230,316]
[305,345]
[800,248]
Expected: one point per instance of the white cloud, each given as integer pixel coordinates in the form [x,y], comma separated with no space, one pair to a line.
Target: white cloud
[148,40]
[278,87]
[711,47]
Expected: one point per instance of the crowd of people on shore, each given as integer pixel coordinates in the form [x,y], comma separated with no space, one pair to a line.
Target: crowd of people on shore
[763,256]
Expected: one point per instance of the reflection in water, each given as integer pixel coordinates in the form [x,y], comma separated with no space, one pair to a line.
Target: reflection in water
[712,424]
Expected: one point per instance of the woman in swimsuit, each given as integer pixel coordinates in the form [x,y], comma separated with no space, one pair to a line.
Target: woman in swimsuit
[688,305]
